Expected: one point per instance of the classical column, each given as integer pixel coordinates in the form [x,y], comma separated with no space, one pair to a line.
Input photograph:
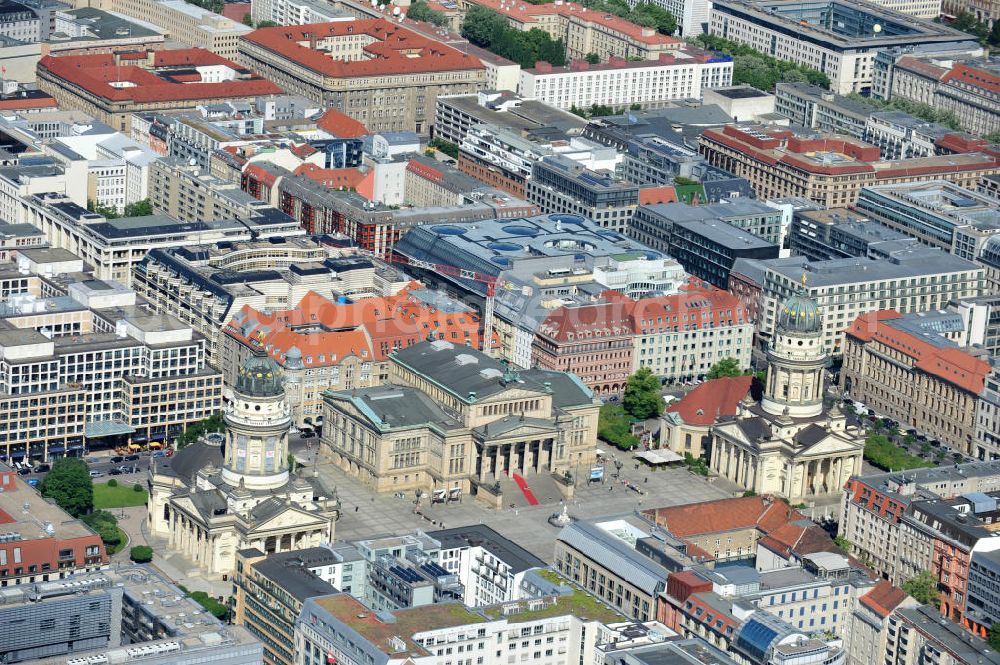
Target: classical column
[510,458]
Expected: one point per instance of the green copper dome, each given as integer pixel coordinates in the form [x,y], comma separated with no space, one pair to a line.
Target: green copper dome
[259,376]
[799,313]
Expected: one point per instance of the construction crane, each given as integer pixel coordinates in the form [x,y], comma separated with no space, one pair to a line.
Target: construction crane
[489,280]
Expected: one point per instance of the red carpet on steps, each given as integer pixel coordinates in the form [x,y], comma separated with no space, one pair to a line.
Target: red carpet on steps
[528,494]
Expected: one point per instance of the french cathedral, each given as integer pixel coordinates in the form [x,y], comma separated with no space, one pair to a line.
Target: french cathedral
[223,494]
[789,444]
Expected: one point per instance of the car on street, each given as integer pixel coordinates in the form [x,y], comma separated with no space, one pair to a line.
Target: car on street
[24,470]
[118,459]
[32,481]
[307,434]
[158,453]
[43,468]
[96,474]
[114,472]
[131,458]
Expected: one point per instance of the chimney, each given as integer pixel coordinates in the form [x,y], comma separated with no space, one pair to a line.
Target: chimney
[579,66]
[543,67]
[617,61]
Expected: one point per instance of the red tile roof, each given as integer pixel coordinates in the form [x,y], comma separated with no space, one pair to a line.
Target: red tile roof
[15,103]
[525,12]
[367,329]
[332,178]
[718,397]
[950,364]
[883,598]
[704,305]
[236,10]
[975,77]
[165,81]
[695,519]
[921,67]
[341,125]
[393,49]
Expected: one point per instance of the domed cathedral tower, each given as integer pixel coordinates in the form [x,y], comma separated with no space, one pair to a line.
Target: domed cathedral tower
[796,360]
[257,423]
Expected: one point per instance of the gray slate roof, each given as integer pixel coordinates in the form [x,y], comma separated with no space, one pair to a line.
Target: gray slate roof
[615,555]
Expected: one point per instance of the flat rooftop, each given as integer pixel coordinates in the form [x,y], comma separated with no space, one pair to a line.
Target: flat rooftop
[842,24]
[523,117]
[912,261]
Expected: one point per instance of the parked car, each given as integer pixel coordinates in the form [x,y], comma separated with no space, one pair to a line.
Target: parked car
[32,481]
[170,452]
[308,434]
[158,453]
[115,472]
[43,468]
[96,474]
[117,459]
[24,470]
[131,458]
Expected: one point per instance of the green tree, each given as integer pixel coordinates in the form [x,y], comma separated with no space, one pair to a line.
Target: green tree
[446,147]
[593,58]
[642,395]
[290,459]
[923,587]
[725,367]
[105,525]
[653,16]
[994,37]
[491,31]
[248,19]
[267,24]
[106,211]
[752,67]
[843,543]
[615,427]
[993,636]
[421,11]
[70,486]
[141,554]
[112,483]
[214,423]
[138,488]
[141,208]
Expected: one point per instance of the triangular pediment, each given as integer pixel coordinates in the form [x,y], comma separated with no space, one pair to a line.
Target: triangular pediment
[290,517]
[831,444]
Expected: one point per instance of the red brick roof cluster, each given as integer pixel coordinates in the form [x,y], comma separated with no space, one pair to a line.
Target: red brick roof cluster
[368,329]
[17,103]
[698,519]
[697,304]
[883,598]
[949,364]
[170,76]
[332,178]
[341,125]
[712,399]
[394,49]
[773,147]
[973,76]
[526,12]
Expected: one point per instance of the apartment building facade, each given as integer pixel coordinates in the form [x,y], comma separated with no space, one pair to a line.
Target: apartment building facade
[911,278]
[902,367]
[618,82]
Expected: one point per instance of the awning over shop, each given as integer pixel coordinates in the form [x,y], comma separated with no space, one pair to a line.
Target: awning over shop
[100,428]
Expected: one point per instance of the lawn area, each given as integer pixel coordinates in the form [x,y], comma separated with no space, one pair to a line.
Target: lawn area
[579,603]
[122,496]
[886,455]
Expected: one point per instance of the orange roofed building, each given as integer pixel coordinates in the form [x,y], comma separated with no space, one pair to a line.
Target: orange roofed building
[377,72]
[831,169]
[676,336]
[584,30]
[904,367]
[325,345]
[111,87]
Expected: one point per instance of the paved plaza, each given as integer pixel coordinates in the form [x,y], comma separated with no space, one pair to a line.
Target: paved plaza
[366,514]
